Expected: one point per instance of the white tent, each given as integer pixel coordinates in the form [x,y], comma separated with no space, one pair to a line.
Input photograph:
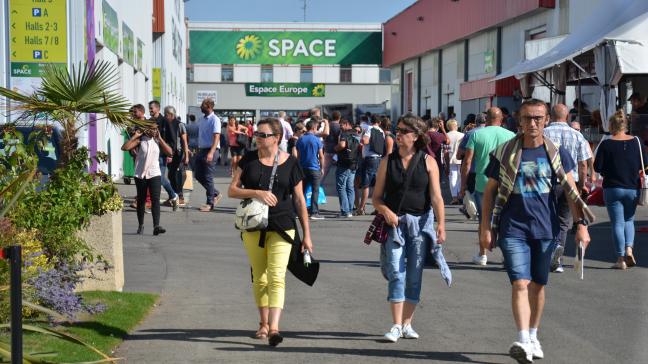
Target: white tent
[617,32]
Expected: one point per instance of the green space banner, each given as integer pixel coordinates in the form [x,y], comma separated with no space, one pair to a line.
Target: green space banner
[110,28]
[251,47]
[128,45]
[285,89]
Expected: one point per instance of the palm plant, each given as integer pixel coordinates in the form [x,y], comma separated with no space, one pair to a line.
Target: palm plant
[66,97]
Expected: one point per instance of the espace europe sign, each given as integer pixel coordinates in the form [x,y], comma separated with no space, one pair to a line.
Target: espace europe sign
[251,47]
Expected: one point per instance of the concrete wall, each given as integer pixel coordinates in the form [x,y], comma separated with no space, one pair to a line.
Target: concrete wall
[104,237]
[321,74]
[173,68]
[452,77]
[429,82]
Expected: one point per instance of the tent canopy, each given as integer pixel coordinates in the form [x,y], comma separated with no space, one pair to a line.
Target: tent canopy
[623,22]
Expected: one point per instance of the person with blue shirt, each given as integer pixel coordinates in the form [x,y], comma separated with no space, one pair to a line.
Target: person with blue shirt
[209,130]
[574,142]
[311,155]
[522,175]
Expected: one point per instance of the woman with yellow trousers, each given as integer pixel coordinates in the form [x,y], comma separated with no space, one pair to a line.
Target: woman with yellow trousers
[269,250]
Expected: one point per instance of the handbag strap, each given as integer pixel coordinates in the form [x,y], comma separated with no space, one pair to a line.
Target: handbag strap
[408,178]
[274,170]
[643,166]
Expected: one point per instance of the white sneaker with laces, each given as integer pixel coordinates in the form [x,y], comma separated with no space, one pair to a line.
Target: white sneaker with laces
[522,352]
[409,333]
[394,333]
[537,349]
[480,259]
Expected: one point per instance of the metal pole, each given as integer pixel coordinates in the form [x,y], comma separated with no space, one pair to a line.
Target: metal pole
[14,253]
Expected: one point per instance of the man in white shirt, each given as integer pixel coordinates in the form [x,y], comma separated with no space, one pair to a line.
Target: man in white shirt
[287,131]
[370,162]
[209,130]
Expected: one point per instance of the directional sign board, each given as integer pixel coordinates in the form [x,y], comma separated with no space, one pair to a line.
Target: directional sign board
[38,31]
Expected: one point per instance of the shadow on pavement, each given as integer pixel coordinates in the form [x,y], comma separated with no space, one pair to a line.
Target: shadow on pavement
[602,246]
[393,353]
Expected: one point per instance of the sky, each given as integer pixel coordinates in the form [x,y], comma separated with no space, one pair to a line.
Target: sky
[346,11]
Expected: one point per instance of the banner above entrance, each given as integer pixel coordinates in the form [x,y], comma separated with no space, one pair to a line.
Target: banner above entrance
[285,89]
[250,47]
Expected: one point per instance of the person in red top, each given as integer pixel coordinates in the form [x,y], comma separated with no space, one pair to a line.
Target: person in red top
[438,138]
[236,149]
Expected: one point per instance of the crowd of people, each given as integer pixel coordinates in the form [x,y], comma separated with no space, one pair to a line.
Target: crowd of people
[526,175]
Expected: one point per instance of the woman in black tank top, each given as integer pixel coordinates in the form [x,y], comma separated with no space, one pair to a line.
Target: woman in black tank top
[407,187]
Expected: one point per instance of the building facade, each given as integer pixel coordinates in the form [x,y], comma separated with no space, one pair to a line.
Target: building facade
[255,70]
[468,43]
[144,40]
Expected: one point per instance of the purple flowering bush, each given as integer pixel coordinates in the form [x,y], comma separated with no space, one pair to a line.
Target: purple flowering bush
[54,289]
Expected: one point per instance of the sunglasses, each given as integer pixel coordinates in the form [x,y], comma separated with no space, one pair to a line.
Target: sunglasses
[404,131]
[259,134]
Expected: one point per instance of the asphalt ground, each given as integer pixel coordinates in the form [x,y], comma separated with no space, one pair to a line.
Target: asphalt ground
[206,312]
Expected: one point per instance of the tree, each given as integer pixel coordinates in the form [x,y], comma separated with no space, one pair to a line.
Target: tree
[66,97]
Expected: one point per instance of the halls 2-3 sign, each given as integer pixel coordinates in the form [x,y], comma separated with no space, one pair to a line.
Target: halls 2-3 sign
[236,47]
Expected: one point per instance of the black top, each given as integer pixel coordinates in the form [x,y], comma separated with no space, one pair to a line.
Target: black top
[256,176]
[619,163]
[331,140]
[417,199]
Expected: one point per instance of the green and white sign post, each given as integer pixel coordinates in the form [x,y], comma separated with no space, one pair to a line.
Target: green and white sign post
[285,89]
[250,47]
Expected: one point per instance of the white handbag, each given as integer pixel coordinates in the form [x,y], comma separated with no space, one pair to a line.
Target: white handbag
[252,214]
[643,193]
[470,205]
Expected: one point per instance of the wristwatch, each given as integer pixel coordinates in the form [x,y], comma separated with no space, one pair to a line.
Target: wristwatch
[581,222]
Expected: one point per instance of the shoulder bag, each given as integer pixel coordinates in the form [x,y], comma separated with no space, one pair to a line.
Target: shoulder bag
[643,195]
[378,230]
[252,214]
[242,140]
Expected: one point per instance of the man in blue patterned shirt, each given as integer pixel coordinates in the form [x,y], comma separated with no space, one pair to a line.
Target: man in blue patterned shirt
[561,134]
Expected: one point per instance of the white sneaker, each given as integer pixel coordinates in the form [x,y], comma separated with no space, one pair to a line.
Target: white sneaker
[480,259]
[537,349]
[409,333]
[394,333]
[522,352]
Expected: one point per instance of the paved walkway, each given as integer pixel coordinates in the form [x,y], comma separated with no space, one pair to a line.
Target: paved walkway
[206,312]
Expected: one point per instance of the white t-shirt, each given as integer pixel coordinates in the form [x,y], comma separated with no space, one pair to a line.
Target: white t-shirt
[287,134]
[147,159]
[455,139]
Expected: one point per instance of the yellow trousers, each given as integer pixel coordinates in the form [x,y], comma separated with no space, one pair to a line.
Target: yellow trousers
[268,267]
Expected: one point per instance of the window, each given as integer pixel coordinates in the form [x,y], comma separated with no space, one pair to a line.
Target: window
[306,74]
[536,33]
[384,75]
[227,73]
[345,74]
[266,73]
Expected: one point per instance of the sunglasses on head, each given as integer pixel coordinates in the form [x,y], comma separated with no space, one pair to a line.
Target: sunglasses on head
[259,134]
[403,131]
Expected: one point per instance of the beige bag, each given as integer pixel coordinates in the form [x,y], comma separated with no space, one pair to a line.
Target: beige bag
[188,184]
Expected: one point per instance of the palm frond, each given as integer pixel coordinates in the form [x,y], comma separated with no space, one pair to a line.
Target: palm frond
[86,88]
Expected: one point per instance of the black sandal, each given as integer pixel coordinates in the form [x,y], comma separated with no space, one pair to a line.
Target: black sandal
[274,338]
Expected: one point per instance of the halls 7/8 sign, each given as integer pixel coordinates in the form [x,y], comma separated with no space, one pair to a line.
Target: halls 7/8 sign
[250,47]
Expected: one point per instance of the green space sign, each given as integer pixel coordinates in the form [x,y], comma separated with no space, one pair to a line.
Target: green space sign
[285,89]
[251,47]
